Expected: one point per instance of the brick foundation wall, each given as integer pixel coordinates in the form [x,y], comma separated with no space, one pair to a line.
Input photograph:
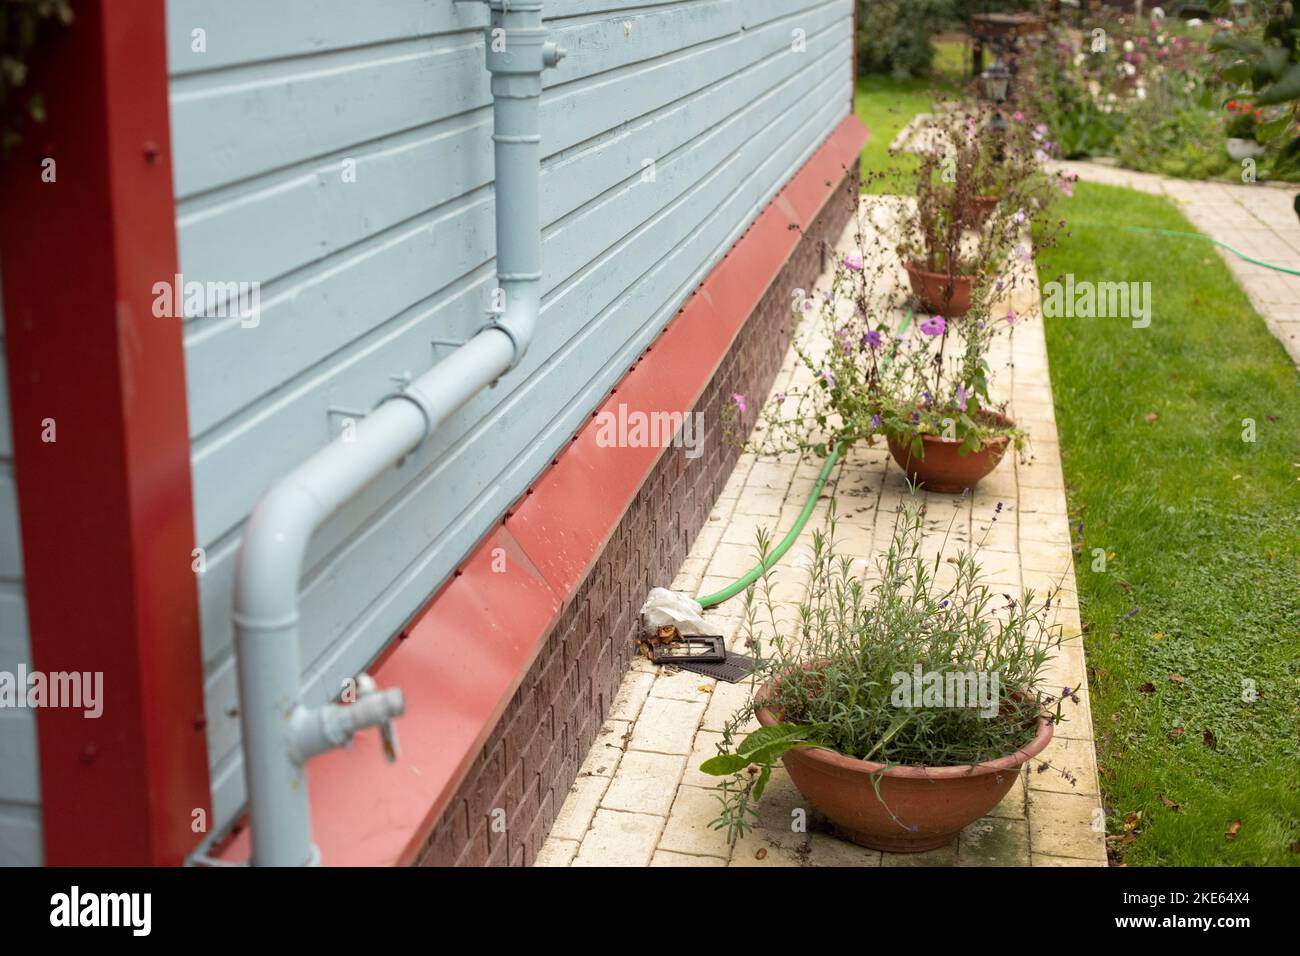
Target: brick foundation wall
[503,811]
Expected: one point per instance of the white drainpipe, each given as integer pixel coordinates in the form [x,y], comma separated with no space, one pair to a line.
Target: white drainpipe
[280,732]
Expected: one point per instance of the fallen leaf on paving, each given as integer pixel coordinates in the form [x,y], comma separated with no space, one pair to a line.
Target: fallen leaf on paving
[705,689]
[761,854]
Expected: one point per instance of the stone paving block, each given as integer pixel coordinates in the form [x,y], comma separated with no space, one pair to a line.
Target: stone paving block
[706,742]
[944,856]
[1067,824]
[1042,859]
[556,852]
[632,693]
[665,858]
[579,808]
[762,848]
[666,726]
[676,684]
[620,839]
[723,703]
[992,841]
[1012,806]
[1066,669]
[644,783]
[689,828]
[1072,768]
[1045,556]
[606,750]
[1040,501]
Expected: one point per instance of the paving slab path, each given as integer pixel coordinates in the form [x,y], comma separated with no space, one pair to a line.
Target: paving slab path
[640,799]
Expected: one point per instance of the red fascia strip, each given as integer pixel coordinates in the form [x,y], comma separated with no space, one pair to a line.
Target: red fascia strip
[467,653]
[105,508]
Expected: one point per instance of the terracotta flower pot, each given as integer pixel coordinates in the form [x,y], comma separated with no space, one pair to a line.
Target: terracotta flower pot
[944,469]
[918,808]
[977,210]
[949,296]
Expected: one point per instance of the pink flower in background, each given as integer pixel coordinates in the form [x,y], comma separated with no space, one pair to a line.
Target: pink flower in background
[854,263]
[1018,116]
[1066,185]
[740,402]
[1011,316]
[1019,217]
[962,395]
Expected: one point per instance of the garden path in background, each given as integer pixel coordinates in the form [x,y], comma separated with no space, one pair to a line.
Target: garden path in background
[1257,218]
[640,799]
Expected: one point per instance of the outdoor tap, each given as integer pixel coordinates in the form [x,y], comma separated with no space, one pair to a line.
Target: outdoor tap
[314,731]
[366,686]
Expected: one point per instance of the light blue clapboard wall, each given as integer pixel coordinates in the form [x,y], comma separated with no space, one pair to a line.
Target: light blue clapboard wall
[20,785]
[275,104]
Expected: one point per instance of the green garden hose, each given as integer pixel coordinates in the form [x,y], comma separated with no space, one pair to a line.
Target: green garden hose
[1194,235]
[777,553]
[731,590]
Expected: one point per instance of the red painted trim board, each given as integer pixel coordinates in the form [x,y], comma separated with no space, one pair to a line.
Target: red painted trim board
[105,508]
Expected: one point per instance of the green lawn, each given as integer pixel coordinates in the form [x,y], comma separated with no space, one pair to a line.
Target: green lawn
[886,105]
[1200,598]
[1199,601]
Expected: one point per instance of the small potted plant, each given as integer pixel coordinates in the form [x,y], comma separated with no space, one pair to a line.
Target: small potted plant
[903,709]
[1243,120]
[920,382]
[943,264]
[977,191]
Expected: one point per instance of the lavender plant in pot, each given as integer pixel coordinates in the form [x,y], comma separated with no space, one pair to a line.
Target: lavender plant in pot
[902,709]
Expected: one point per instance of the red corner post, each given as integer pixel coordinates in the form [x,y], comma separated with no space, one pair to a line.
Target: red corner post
[101,446]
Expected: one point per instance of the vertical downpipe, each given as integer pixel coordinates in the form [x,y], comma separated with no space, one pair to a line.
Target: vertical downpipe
[517,52]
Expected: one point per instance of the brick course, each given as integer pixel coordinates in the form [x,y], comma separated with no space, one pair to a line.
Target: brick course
[532,757]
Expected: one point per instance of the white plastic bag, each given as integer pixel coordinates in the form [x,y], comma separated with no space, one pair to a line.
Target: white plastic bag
[663,607]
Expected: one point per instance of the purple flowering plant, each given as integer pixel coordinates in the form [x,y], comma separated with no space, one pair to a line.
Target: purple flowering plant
[882,370]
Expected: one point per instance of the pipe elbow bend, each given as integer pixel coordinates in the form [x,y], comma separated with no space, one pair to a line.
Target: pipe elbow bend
[272,555]
[519,323]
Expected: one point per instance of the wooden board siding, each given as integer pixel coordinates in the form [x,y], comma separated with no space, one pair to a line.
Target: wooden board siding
[359,277]
[20,782]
